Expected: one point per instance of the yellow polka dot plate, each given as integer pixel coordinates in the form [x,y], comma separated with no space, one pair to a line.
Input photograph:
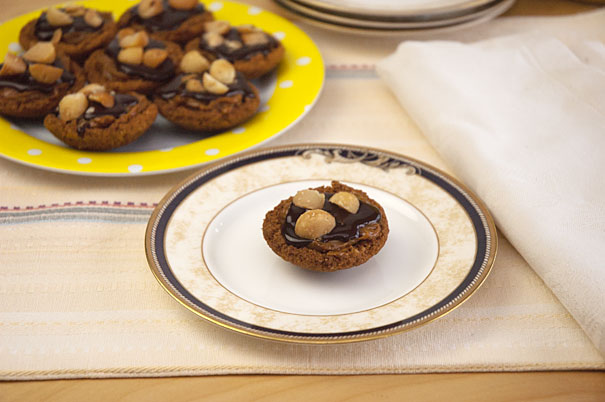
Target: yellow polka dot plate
[287,95]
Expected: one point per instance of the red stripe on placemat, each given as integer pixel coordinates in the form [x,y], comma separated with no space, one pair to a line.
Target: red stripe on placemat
[351,67]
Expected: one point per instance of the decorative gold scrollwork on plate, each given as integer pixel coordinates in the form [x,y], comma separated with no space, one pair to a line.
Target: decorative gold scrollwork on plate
[369,158]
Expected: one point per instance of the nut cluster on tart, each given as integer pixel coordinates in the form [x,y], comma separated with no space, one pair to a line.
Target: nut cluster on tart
[133,62]
[251,50]
[327,228]
[170,56]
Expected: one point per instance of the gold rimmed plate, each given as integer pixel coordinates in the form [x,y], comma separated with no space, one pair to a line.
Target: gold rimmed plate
[205,246]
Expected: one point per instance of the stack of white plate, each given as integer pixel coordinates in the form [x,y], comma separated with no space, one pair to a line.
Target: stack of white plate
[393,16]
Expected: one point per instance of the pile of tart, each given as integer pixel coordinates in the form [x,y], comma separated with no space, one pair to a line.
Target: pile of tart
[99,84]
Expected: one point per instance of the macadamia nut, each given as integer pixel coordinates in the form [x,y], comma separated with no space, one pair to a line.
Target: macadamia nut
[314,223]
[346,201]
[72,106]
[309,199]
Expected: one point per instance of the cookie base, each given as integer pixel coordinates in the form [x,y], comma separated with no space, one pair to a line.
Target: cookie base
[220,114]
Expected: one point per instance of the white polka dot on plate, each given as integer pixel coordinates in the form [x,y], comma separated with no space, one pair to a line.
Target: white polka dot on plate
[34,152]
[307,108]
[84,161]
[286,84]
[15,47]
[238,130]
[135,168]
[211,151]
[255,10]
[279,35]
[166,149]
[264,108]
[215,6]
[303,61]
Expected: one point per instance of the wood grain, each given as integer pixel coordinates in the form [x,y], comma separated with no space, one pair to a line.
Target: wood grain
[478,387]
[534,386]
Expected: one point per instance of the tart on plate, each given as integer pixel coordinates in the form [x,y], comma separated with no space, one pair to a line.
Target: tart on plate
[170,20]
[76,31]
[251,50]
[207,96]
[133,62]
[32,85]
[96,119]
[327,228]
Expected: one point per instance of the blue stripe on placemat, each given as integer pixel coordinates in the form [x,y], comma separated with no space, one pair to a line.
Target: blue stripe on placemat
[85,213]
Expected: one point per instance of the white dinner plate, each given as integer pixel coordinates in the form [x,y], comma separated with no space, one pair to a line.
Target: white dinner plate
[205,245]
[407,24]
[398,9]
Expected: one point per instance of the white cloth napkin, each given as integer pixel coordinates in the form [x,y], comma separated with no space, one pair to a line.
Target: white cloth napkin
[521,120]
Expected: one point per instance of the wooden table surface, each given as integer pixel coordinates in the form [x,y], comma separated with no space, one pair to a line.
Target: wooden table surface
[534,386]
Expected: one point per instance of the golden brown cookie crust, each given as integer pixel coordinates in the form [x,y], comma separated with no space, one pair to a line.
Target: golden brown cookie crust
[256,66]
[103,69]
[35,104]
[190,28]
[77,45]
[347,257]
[123,130]
[219,114]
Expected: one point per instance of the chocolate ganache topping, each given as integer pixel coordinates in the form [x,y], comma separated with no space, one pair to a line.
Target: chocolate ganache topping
[169,19]
[163,72]
[244,52]
[349,227]
[25,82]
[122,104]
[44,30]
[176,87]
